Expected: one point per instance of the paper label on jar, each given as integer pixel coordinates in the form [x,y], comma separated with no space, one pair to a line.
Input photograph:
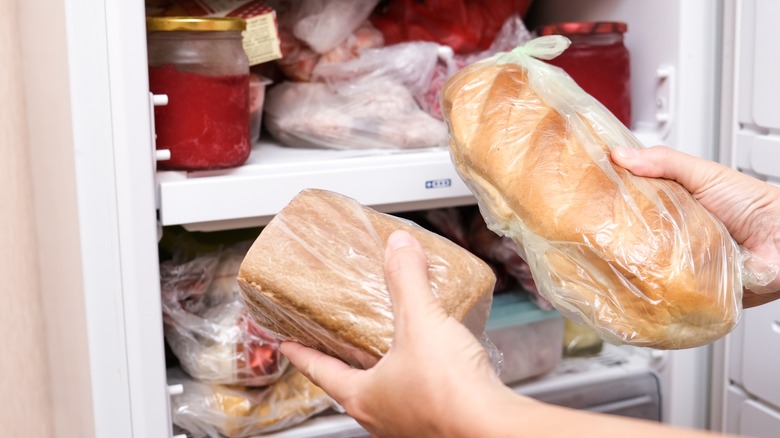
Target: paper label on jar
[261,38]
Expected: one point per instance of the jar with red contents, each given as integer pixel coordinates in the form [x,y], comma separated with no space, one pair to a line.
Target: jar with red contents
[598,61]
[200,64]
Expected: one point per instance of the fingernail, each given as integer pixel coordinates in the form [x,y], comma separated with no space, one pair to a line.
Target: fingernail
[626,153]
[399,239]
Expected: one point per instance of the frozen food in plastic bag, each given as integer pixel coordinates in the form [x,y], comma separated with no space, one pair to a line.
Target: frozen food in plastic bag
[638,259]
[316,275]
[369,102]
[371,113]
[299,60]
[324,24]
[216,411]
[512,34]
[208,327]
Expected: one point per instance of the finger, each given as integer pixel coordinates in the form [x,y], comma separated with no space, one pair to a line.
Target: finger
[751,299]
[406,275]
[664,162]
[324,371]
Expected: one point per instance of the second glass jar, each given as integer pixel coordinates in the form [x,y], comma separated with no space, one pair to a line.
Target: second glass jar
[598,61]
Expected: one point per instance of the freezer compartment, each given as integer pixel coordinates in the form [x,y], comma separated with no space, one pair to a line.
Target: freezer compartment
[621,380]
[636,396]
[530,339]
[405,180]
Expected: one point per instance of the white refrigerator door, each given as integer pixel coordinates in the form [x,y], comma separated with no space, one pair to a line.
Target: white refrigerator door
[751,91]
[746,385]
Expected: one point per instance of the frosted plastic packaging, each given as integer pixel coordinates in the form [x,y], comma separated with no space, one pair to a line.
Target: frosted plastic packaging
[364,103]
[208,327]
[217,411]
[324,24]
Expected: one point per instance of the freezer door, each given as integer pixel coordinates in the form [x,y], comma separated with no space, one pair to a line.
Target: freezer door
[757,420]
[756,100]
[749,418]
[746,383]
[751,107]
[760,358]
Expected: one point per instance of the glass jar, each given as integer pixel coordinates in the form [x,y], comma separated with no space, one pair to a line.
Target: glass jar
[200,64]
[598,61]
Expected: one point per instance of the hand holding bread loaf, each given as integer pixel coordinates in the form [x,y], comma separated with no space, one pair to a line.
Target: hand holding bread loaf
[638,259]
[315,275]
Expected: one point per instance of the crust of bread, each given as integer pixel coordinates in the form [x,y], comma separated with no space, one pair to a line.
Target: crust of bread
[316,275]
[636,258]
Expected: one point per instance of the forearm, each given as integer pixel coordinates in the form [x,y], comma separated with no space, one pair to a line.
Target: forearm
[512,415]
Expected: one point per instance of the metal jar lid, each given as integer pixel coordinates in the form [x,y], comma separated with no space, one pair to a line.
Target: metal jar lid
[196,24]
[583,28]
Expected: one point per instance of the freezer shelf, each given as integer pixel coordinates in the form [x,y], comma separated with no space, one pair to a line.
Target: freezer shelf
[620,380]
[389,181]
[253,193]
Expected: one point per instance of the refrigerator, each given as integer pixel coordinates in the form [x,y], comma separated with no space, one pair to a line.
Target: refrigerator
[703,78]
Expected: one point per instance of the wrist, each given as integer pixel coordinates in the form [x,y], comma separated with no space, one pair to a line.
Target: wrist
[487,412]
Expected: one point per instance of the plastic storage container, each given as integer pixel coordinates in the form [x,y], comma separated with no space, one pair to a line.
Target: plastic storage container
[200,64]
[530,338]
[598,61]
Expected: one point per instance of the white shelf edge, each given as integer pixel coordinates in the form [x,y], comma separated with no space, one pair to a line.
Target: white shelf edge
[250,195]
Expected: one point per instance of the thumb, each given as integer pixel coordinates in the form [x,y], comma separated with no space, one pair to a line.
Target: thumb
[406,274]
[664,162]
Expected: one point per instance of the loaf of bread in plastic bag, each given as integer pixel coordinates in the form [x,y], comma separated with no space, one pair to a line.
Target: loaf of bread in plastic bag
[638,259]
[315,275]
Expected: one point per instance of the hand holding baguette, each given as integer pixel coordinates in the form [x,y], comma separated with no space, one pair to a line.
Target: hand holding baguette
[749,208]
[638,259]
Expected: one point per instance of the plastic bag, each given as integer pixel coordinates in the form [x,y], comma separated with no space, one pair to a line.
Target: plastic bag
[466,227]
[208,327]
[230,411]
[315,30]
[465,25]
[512,34]
[637,259]
[299,60]
[315,275]
[324,24]
[365,103]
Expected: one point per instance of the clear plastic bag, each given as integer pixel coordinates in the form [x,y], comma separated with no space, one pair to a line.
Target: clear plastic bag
[637,259]
[324,24]
[208,327]
[216,411]
[512,34]
[315,275]
[370,102]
